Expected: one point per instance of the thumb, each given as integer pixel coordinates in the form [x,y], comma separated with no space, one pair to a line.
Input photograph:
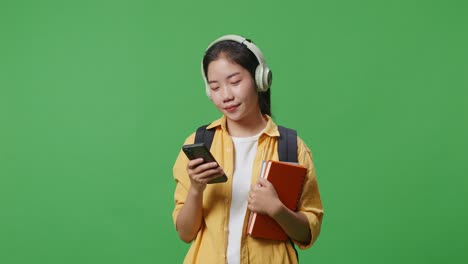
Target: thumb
[263,182]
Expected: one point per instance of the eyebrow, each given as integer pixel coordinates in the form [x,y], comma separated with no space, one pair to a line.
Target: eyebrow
[229,76]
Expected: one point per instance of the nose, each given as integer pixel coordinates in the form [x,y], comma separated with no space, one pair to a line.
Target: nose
[227,93]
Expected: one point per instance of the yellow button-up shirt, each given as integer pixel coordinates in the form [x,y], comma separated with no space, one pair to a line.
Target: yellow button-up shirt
[210,244]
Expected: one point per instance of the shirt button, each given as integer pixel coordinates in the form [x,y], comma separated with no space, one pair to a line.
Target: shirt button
[226,200]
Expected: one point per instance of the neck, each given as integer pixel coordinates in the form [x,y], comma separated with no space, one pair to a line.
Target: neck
[247,127]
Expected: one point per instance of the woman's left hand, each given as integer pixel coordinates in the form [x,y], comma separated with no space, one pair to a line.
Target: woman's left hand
[263,198]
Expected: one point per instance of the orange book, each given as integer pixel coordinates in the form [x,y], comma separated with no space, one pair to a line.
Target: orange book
[288,179]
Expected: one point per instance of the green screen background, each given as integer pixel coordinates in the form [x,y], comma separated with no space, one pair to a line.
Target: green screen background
[97,97]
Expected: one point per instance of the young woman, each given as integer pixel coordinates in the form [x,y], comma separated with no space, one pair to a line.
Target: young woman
[214,216]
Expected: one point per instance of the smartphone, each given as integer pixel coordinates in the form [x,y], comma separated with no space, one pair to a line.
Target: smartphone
[199,150]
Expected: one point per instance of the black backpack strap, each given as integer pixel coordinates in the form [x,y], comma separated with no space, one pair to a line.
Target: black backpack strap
[204,135]
[287,151]
[287,144]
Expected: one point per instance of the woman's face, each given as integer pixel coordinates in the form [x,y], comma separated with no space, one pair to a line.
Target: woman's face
[232,89]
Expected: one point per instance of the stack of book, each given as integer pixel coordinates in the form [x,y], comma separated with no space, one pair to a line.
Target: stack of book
[288,180]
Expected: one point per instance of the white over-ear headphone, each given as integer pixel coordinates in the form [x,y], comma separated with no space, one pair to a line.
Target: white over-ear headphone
[263,75]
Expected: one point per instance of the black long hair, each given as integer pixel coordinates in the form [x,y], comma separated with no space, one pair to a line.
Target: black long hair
[239,54]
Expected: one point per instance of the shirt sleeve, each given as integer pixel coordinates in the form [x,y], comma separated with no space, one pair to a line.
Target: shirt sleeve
[182,180]
[310,203]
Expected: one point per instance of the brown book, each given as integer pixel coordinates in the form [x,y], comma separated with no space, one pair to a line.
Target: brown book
[288,179]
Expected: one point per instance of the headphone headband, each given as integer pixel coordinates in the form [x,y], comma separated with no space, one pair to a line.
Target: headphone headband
[248,43]
[263,74]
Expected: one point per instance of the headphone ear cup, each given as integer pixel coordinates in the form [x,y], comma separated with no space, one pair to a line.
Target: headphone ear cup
[263,78]
[259,78]
[267,77]
[207,89]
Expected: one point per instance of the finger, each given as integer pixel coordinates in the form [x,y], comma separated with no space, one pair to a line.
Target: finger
[209,174]
[208,179]
[263,182]
[194,163]
[253,208]
[199,176]
[205,166]
[256,186]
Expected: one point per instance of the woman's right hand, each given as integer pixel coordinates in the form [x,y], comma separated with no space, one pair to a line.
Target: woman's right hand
[201,173]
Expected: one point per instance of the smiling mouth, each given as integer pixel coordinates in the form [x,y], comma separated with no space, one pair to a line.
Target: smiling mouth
[231,108]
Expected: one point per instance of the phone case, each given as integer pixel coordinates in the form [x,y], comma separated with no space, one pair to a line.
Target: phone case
[199,150]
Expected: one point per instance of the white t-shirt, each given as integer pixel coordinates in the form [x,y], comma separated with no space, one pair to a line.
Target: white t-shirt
[245,149]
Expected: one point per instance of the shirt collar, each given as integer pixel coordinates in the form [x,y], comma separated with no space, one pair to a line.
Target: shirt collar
[271,128]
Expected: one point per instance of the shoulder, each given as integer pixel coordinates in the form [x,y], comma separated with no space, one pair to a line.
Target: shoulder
[301,145]
[304,157]
[304,154]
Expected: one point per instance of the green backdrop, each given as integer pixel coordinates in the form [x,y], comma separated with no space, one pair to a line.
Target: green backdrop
[97,97]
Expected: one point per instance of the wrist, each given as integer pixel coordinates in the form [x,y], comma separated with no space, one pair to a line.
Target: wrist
[277,209]
[195,193]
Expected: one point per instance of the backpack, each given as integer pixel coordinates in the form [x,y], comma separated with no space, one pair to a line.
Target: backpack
[287,148]
[287,141]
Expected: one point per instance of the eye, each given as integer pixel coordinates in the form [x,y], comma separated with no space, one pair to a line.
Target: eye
[236,82]
[214,88]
